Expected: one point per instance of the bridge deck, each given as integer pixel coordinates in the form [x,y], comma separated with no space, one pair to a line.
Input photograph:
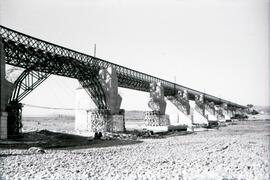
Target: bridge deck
[32,53]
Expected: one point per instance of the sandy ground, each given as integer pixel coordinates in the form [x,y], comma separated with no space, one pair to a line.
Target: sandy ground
[239,151]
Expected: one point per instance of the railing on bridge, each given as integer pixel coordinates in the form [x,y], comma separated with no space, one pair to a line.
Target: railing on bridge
[128,78]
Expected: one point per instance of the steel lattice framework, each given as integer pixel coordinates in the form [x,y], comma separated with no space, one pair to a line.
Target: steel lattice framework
[44,58]
[27,82]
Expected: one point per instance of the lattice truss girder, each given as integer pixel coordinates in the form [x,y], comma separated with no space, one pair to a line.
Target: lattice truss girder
[40,64]
[37,55]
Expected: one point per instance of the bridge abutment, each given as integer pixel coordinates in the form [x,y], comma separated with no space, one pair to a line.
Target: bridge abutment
[6,89]
[89,118]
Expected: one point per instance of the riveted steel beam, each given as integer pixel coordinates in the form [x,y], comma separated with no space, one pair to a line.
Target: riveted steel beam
[25,51]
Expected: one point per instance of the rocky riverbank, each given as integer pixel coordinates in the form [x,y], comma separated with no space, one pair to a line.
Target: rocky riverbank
[237,151]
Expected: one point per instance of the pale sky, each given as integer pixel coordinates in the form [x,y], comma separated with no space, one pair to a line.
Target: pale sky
[217,46]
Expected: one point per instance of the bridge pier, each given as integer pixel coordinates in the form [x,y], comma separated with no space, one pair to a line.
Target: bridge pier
[230,113]
[156,119]
[240,113]
[210,111]
[219,112]
[179,109]
[89,118]
[198,111]
[211,114]
[224,108]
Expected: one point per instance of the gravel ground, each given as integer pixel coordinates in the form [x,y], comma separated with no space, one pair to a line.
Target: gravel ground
[239,151]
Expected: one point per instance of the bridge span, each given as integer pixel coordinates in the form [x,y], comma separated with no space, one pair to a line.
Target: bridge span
[37,55]
[40,59]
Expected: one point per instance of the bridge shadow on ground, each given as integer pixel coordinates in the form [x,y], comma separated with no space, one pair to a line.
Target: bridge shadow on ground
[55,140]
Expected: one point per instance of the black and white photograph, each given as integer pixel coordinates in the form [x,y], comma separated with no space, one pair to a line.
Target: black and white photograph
[135,90]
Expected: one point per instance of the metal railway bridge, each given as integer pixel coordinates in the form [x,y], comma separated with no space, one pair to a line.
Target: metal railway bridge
[40,59]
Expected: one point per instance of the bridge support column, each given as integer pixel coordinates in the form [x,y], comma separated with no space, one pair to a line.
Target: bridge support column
[5,93]
[198,111]
[224,108]
[156,119]
[219,112]
[89,118]
[211,114]
[230,113]
[240,113]
[179,109]
[210,111]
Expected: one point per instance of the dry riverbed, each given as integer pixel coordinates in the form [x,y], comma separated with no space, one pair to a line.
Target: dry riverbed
[237,151]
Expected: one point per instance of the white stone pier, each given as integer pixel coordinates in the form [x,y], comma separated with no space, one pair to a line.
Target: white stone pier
[177,117]
[198,112]
[89,119]
[179,110]
[219,112]
[210,112]
[156,120]
[224,108]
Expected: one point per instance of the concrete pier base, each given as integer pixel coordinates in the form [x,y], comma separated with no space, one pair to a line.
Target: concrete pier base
[3,125]
[88,119]
[161,123]
[154,118]
[99,121]
[156,122]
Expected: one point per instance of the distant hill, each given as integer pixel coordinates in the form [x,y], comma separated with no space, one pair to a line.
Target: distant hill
[130,115]
[50,117]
